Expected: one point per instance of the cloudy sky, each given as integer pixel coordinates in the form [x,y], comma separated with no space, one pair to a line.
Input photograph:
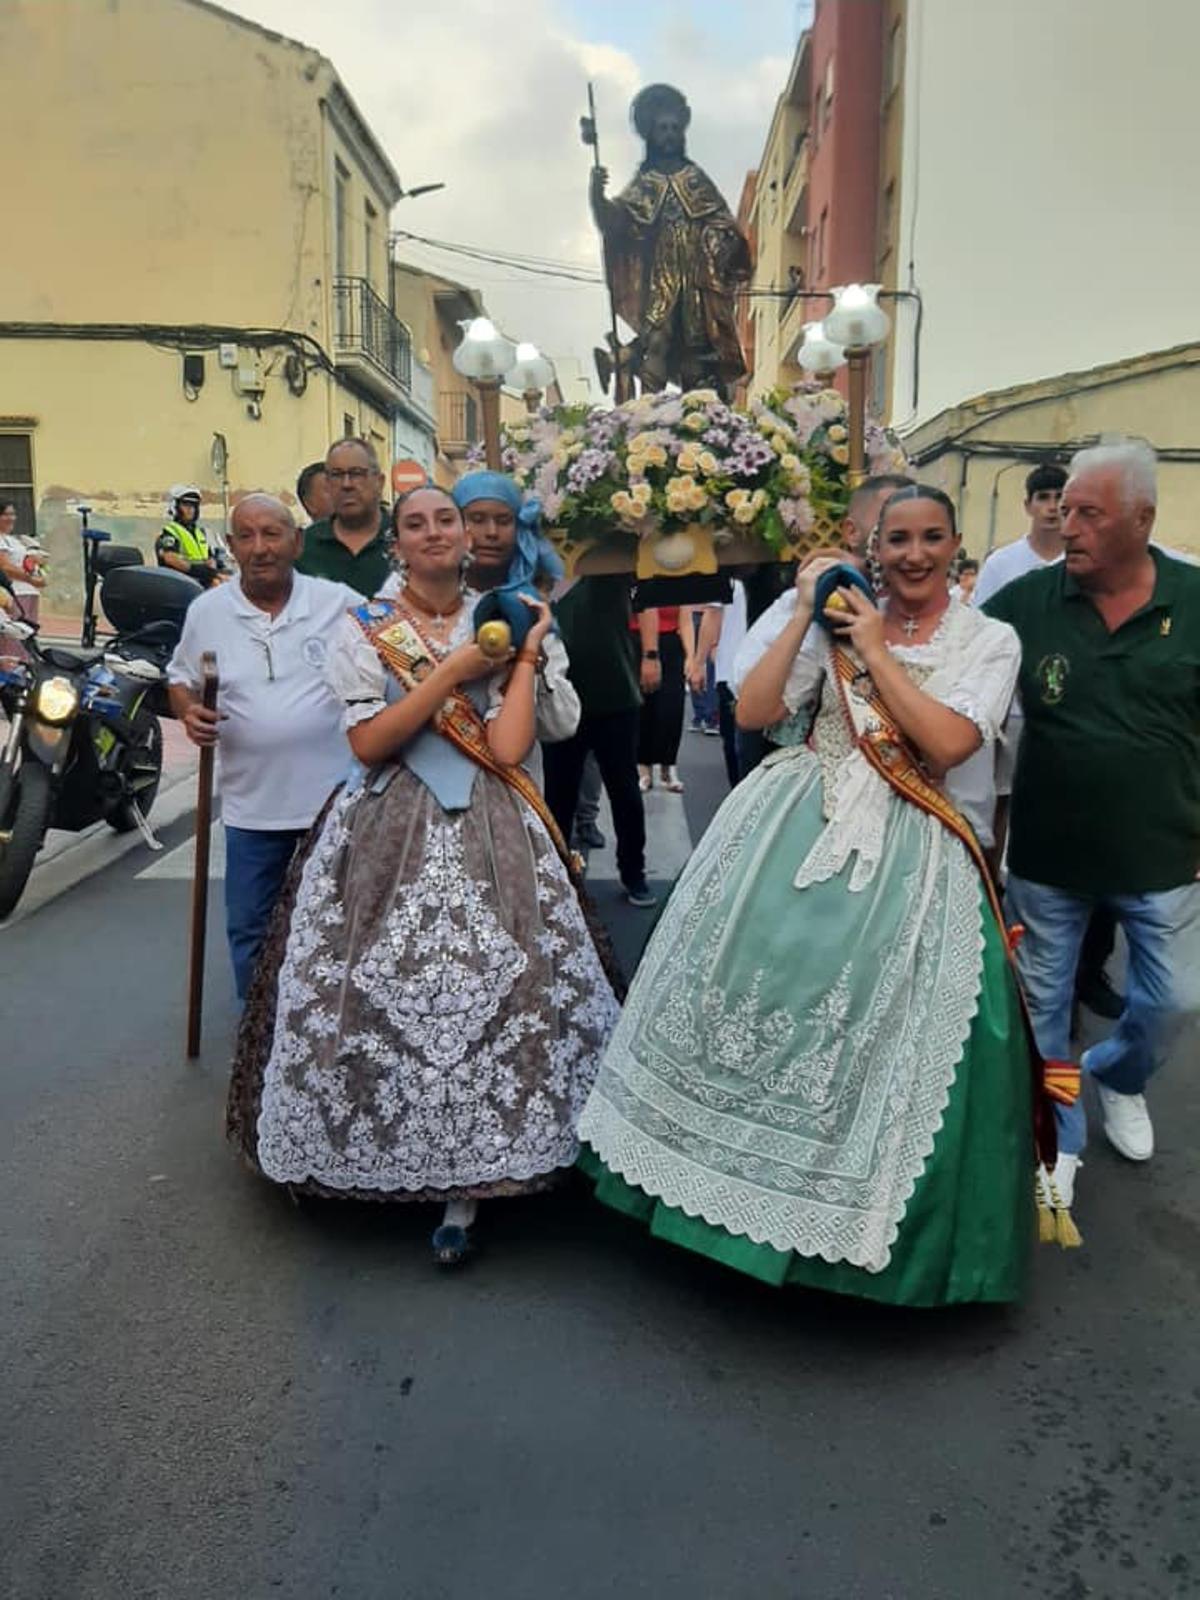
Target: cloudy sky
[487,99]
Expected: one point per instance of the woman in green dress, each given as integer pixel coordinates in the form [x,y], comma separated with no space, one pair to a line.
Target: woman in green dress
[820,1075]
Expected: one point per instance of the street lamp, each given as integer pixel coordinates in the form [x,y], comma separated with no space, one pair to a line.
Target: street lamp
[818,354]
[485,356]
[532,373]
[857,322]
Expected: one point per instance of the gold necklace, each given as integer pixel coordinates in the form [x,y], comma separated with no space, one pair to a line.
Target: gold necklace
[417,602]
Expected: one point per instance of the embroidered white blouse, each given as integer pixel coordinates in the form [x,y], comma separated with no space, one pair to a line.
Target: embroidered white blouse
[359,678]
[970,665]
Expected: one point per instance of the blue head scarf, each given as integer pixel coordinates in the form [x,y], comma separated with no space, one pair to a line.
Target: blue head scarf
[533,554]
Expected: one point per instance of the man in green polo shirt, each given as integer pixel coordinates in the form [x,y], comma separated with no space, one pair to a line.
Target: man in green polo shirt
[1106,794]
[354,545]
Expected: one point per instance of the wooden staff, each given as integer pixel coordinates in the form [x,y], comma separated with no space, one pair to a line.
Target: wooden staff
[204,794]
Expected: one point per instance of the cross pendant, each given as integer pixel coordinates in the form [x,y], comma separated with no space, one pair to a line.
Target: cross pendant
[909,627]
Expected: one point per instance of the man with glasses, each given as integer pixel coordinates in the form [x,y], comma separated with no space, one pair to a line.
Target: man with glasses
[277,726]
[353,544]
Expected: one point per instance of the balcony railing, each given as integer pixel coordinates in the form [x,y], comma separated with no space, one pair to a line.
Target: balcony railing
[795,184]
[458,421]
[367,334]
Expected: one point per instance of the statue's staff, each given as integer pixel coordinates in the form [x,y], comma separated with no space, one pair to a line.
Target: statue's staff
[622,385]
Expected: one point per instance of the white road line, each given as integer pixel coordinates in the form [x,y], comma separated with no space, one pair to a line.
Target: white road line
[668,845]
[180,862]
[668,839]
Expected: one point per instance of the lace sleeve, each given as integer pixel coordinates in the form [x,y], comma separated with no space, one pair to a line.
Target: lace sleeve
[355,673]
[985,677]
[807,670]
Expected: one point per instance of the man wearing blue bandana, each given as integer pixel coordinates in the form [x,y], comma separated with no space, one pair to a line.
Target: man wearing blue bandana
[510,556]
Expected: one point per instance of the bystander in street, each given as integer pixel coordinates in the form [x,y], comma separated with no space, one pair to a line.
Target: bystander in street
[281,748]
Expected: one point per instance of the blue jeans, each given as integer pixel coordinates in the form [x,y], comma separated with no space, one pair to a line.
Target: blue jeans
[1162,989]
[256,863]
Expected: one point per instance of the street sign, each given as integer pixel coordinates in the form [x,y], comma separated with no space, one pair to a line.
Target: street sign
[407,475]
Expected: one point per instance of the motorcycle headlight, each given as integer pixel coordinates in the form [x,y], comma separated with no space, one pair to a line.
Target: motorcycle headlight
[56,700]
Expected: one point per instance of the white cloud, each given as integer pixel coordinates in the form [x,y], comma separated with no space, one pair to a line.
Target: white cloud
[489,102]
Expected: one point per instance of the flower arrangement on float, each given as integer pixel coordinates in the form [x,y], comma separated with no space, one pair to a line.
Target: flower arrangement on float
[674,483]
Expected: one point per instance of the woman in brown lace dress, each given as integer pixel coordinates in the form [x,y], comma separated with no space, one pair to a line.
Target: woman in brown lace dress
[430,1017]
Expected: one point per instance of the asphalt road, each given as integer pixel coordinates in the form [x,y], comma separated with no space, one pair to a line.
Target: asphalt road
[211,1392]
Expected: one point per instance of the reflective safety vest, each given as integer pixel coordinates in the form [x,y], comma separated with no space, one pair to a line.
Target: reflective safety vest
[193,542]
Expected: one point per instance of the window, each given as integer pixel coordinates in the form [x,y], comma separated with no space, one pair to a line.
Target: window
[887,218]
[349,426]
[822,239]
[16,479]
[827,94]
[370,228]
[341,244]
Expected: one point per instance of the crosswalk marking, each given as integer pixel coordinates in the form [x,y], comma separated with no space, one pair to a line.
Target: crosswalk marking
[181,862]
[668,846]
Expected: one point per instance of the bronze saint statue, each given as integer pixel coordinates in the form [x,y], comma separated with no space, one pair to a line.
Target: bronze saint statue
[674,256]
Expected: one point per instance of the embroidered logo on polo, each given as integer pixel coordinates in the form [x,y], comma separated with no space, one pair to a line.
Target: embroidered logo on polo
[1052,673]
[314,651]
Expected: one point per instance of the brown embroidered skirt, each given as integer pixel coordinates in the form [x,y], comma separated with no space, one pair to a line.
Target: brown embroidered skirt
[430,1009]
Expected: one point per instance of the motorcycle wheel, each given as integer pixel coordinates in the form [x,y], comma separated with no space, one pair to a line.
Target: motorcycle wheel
[25,825]
[142,771]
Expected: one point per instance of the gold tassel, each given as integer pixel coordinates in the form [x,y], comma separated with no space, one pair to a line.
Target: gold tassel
[1045,1215]
[1065,1231]
[1066,1234]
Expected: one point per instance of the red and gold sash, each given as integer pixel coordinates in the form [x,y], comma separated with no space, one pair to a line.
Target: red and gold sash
[398,640]
[886,749]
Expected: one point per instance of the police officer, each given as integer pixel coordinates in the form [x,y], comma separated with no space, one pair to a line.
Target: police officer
[183,543]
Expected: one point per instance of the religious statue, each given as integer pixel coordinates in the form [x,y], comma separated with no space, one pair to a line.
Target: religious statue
[674,257]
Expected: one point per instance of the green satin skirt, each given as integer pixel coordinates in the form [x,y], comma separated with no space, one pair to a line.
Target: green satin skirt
[968,1227]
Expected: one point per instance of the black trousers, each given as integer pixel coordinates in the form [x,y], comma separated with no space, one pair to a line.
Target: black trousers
[613,740]
[661,724]
[1099,942]
[729,733]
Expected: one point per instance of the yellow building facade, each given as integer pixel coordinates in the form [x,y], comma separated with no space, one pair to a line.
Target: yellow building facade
[433,307]
[980,451]
[778,218]
[205,269]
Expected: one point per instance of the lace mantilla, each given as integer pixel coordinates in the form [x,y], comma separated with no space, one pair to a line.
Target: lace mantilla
[969,665]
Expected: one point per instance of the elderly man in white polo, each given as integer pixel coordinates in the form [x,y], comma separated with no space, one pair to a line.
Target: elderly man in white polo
[277,726]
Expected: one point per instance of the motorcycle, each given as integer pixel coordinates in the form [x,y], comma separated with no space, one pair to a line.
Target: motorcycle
[84,742]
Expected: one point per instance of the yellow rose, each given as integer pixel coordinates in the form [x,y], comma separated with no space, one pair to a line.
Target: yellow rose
[655,456]
[837,434]
[701,397]
[688,459]
[840,454]
[708,463]
[790,463]
[641,493]
[622,504]
[744,514]
[737,497]
[695,422]
[758,499]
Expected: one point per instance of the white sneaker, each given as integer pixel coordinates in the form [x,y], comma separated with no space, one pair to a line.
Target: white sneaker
[1127,1123]
[1063,1175]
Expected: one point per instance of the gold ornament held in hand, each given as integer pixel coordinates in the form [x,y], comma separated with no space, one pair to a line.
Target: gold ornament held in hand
[495,640]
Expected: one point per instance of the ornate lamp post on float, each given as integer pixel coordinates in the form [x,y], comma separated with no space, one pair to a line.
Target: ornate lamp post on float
[532,373]
[487,358]
[857,323]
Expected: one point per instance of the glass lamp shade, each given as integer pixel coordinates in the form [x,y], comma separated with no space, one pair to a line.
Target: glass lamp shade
[484,352]
[531,372]
[818,353]
[857,320]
